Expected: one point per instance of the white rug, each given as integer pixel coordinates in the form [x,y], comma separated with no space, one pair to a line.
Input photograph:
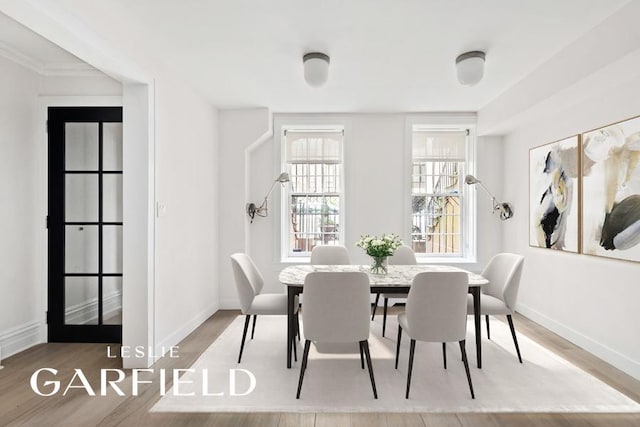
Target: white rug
[335,383]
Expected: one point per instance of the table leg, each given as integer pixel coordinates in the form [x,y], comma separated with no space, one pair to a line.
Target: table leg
[475,291]
[291,297]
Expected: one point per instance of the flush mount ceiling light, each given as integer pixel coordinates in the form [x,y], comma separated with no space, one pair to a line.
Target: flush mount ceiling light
[316,68]
[470,66]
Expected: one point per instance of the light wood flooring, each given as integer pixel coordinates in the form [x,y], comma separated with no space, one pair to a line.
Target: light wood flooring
[20,406]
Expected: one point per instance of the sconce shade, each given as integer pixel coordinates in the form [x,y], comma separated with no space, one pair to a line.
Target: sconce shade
[470,67]
[316,68]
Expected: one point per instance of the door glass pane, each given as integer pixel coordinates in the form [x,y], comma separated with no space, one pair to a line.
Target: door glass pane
[112,146]
[81,198]
[112,249]
[81,300]
[112,198]
[112,300]
[81,146]
[81,249]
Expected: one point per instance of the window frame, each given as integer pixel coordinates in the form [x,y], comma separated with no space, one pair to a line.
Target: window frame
[468,218]
[302,123]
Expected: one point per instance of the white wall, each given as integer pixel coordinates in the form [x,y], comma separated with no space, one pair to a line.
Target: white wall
[186,290]
[374,173]
[589,300]
[20,180]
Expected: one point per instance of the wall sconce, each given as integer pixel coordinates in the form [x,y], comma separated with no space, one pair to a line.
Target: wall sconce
[263,210]
[504,209]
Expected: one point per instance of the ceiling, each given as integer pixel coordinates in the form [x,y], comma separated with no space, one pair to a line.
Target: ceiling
[386,55]
[33,51]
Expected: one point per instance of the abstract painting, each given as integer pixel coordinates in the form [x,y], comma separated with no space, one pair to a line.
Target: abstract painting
[553,195]
[611,191]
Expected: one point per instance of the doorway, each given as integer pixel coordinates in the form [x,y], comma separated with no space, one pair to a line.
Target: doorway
[85,224]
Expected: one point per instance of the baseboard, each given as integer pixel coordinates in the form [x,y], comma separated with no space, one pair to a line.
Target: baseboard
[174,338]
[609,355]
[22,337]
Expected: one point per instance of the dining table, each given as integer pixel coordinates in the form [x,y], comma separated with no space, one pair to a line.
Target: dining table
[397,280]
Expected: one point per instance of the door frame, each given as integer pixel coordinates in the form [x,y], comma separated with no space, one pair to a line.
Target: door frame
[57,328]
[44,102]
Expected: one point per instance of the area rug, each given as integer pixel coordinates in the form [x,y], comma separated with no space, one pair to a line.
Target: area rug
[545,382]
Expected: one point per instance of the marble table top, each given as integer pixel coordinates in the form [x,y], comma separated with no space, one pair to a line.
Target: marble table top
[397,275]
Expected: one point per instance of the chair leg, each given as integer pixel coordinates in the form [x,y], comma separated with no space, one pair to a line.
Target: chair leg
[513,334]
[298,325]
[253,326]
[365,345]
[444,355]
[361,356]
[303,368]
[244,335]
[412,350]
[488,332]
[466,366]
[398,345]
[384,317]
[375,305]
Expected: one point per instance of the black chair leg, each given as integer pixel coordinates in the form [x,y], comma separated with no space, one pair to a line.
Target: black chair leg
[513,334]
[412,350]
[295,351]
[303,368]
[398,345]
[298,326]
[444,355]
[375,305]
[253,326]
[466,366]
[244,335]
[361,356]
[365,345]
[488,332]
[384,317]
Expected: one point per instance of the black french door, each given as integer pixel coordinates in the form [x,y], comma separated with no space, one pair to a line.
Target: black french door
[85,224]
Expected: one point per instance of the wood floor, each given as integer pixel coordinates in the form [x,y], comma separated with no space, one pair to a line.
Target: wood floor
[20,406]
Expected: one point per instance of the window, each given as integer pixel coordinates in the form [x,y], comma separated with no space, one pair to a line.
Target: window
[439,210]
[314,200]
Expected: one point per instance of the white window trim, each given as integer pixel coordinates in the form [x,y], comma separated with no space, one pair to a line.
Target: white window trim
[302,121]
[469,213]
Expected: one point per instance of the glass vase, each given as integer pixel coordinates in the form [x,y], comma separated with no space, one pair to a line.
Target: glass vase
[379,265]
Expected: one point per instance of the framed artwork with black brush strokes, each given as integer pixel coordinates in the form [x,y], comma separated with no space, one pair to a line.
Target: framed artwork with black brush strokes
[554,178]
[611,191]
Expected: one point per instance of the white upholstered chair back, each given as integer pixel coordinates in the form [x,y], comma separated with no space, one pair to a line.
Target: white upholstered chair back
[404,255]
[336,307]
[503,273]
[249,280]
[437,306]
[330,255]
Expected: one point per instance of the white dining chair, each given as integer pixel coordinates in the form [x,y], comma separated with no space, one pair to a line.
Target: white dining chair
[249,283]
[436,312]
[330,255]
[404,255]
[336,310]
[499,296]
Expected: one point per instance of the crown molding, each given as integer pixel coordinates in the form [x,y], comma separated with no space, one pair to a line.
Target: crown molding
[74,69]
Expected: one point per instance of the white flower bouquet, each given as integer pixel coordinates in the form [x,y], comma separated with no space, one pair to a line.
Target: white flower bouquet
[382,246]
